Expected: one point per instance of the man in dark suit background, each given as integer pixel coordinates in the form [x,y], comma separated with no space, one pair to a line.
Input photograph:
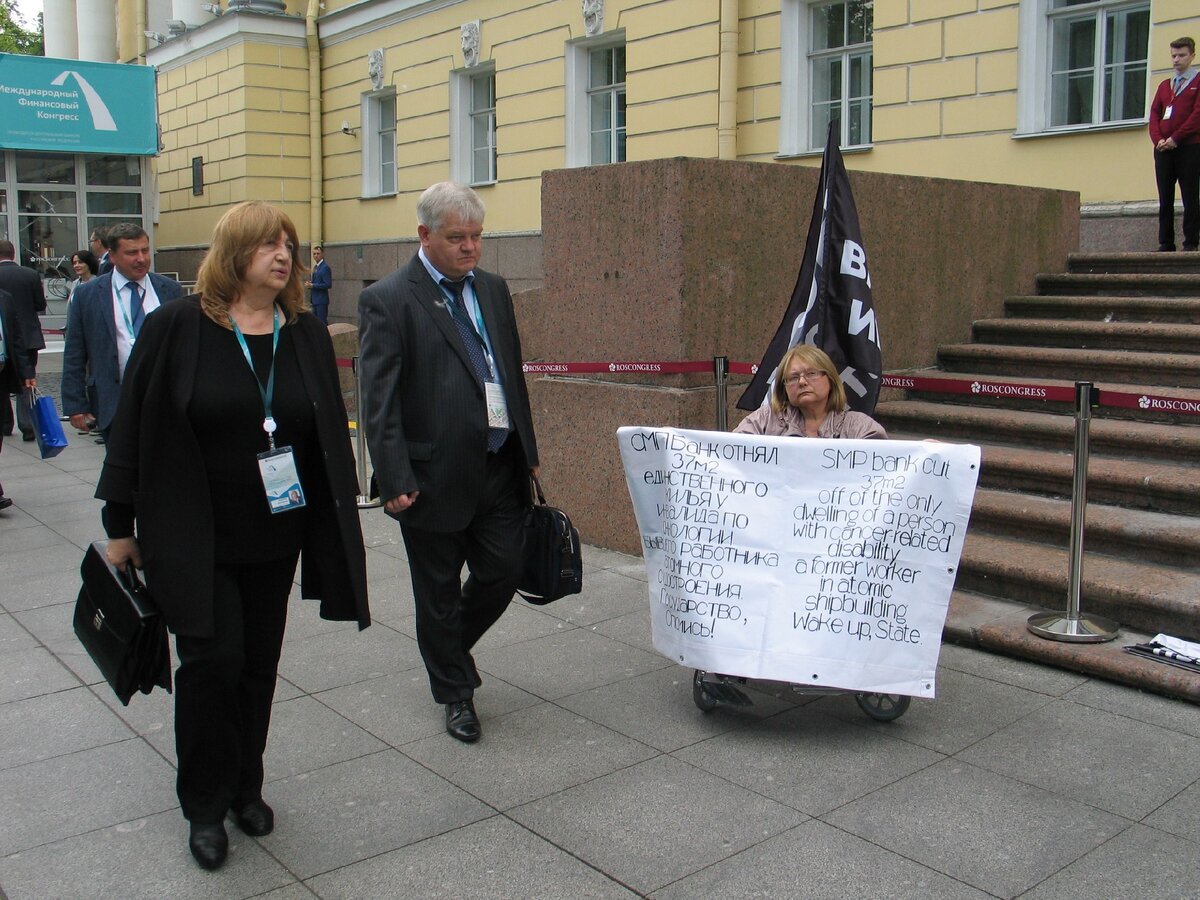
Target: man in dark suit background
[15,372]
[28,299]
[102,324]
[450,432]
[319,283]
[99,244]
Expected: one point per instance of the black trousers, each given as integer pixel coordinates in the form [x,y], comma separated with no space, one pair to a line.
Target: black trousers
[23,422]
[1182,166]
[224,688]
[452,615]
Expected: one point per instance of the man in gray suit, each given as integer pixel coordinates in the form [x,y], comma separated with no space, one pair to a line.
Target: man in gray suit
[104,319]
[25,289]
[450,432]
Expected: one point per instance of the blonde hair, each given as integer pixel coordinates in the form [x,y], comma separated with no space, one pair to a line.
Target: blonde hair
[808,355]
[237,237]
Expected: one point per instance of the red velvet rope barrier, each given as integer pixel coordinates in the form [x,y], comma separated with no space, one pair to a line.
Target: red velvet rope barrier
[982,387]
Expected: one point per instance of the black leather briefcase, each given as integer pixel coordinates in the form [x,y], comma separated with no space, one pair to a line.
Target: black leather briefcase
[553,556]
[119,626]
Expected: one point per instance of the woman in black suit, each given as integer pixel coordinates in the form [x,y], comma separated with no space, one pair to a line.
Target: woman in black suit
[230,452]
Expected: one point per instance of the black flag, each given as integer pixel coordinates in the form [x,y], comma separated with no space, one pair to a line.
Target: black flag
[831,304]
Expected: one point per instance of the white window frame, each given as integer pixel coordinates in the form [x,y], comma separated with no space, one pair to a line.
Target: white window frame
[795,120]
[1035,58]
[376,172]
[578,58]
[462,114]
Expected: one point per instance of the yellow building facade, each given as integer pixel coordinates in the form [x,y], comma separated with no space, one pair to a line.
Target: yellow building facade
[343,112]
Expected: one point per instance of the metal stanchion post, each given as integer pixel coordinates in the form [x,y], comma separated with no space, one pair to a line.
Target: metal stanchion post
[1074,626]
[360,444]
[720,372]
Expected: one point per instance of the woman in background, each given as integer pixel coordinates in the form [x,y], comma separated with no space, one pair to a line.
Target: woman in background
[808,399]
[85,266]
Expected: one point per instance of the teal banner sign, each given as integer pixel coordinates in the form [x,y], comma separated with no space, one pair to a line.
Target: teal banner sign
[72,106]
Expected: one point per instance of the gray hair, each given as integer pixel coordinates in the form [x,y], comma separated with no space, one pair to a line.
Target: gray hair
[444,198]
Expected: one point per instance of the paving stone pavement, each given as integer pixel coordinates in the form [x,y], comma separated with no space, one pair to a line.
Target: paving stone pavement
[597,776]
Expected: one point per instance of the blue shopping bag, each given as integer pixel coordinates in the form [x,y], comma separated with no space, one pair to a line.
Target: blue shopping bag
[46,427]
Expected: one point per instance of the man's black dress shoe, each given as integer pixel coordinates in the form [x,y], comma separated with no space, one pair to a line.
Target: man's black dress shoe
[255,818]
[27,437]
[461,721]
[209,844]
[5,502]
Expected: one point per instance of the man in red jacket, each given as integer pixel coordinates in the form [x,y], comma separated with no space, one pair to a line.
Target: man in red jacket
[1175,132]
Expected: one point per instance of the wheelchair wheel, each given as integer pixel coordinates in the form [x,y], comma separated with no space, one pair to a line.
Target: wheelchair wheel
[705,702]
[883,707]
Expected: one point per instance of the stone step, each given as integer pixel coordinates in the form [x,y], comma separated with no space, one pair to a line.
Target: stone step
[1142,595]
[1028,394]
[1123,285]
[1139,367]
[1114,437]
[1149,536]
[1152,337]
[1153,486]
[1133,263]
[999,626]
[1106,309]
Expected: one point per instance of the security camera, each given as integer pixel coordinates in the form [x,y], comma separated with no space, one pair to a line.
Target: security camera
[346,129]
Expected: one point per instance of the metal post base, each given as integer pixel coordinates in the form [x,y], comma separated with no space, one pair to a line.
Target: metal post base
[1086,629]
[365,502]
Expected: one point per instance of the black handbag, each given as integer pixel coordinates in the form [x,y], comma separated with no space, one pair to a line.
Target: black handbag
[553,556]
[119,626]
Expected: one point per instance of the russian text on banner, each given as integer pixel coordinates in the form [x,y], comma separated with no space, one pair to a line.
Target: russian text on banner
[823,563]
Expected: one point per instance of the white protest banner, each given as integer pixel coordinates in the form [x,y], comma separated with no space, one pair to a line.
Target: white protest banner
[817,562]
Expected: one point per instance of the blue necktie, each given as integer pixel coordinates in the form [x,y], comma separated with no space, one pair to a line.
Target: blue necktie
[473,344]
[137,315]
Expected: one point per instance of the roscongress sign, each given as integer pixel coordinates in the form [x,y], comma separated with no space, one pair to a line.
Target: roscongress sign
[72,106]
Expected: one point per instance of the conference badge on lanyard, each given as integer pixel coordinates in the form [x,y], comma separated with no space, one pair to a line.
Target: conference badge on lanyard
[277,466]
[281,480]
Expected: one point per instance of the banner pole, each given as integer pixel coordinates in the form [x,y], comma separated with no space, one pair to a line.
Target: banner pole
[1074,626]
[720,371]
[364,500]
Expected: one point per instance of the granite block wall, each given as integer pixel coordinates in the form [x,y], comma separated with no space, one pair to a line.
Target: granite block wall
[686,259]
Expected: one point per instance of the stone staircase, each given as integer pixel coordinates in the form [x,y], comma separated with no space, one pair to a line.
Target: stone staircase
[1126,322]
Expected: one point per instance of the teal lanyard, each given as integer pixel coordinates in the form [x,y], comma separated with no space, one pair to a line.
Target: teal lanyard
[268,393]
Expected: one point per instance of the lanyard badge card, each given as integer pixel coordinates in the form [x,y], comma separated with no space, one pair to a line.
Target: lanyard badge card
[276,466]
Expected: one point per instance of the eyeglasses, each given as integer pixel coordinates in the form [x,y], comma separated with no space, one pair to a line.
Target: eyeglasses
[803,376]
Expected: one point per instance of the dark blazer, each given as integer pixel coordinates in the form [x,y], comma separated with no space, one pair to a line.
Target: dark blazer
[423,410]
[322,281]
[153,461]
[16,367]
[25,286]
[90,353]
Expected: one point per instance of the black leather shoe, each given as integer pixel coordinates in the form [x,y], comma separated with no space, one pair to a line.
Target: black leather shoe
[209,844]
[27,438]
[461,721]
[5,502]
[255,818]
